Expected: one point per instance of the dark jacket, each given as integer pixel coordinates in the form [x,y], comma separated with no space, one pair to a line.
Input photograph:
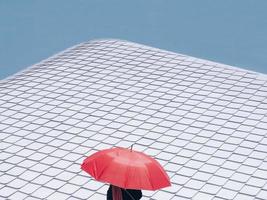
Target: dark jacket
[136,194]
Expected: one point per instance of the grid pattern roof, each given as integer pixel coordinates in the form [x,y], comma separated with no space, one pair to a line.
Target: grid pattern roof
[205,122]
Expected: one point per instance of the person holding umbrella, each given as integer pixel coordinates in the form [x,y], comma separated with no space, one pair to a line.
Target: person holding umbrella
[117,193]
[127,171]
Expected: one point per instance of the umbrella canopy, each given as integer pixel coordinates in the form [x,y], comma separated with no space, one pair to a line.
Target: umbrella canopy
[126,168]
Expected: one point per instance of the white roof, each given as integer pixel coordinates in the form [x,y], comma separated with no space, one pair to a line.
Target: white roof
[205,122]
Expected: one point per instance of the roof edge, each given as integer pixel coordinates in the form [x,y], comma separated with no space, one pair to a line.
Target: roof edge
[259,74]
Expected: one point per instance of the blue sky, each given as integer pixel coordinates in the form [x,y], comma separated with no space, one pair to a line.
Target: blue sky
[230,32]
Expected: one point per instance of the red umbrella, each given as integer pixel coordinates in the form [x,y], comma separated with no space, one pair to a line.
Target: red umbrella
[126,168]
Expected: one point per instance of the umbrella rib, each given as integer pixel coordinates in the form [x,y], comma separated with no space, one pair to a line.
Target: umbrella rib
[149,177]
[146,170]
[102,171]
[127,171]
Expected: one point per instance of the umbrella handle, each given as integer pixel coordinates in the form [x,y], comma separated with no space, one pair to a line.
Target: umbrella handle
[129,194]
[132,147]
